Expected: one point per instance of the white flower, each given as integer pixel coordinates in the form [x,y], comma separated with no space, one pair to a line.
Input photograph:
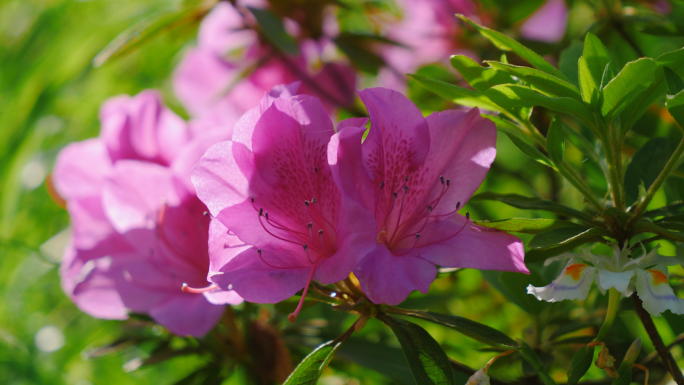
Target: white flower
[647,274]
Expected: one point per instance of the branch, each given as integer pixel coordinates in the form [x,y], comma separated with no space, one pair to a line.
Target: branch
[662,350]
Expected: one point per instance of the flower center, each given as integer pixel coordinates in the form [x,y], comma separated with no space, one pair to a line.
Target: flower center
[397,233]
[658,276]
[575,270]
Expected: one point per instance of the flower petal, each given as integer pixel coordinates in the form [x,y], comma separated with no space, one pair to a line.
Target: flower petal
[620,281]
[548,23]
[653,288]
[573,283]
[81,168]
[389,279]
[472,246]
[187,314]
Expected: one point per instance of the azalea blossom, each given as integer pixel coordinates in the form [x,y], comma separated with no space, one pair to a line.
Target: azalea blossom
[277,222]
[548,23]
[647,275]
[139,232]
[230,69]
[412,174]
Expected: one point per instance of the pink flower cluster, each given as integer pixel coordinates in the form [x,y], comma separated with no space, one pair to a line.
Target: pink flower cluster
[294,200]
[139,231]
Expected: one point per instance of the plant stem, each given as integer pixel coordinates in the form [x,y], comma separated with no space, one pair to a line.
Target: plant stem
[614,166]
[574,179]
[613,306]
[662,350]
[657,183]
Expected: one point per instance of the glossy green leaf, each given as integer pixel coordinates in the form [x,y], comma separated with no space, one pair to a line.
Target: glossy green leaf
[660,28]
[458,95]
[514,287]
[273,30]
[526,225]
[531,203]
[674,209]
[142,31]
[646,165]
[596,57]
[504,124]
[675,106]
[634,78]
[505,43]
[536,363]
[480,78]
[426,359]
[472,329]
[540,81]
[558,237]
[568,61]
[511,95]
[636,108]
[555,141]
[309,370]
[608,75]
[379,357]
[675,84]
[530,151]
[581,362]
[624,372]
[589,86]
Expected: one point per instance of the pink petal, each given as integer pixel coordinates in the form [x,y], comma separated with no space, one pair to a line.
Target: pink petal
[89,223]
[190,155]
[187,314]
[346,163]
[223,297]
[81,168]
[548,23]
[389,279]
[474,247]
[223,30]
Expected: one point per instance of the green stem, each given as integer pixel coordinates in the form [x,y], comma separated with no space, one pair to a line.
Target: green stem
[614,166]
[658,182]
[576,181]
[611,312]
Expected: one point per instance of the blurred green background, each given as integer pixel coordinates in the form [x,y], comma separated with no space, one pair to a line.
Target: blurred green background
[50,95]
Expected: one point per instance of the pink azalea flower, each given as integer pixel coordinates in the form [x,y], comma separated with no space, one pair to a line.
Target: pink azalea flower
[231,69]
[548,23]
[277,220]
[132,204]
[428,33]
[412,174]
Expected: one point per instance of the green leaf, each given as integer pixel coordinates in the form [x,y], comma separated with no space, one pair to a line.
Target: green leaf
[426,359]
[526,225]
[540,81]
[608,75]
[533,359]
[309,370]
[568,61]
[559,237]
[673,209]
[354,47]
[480,78]
[643,226]
[636,108]
[530,203]
[512,95]
[505,43]
[581,362]
[589,86]
[273,30]
[530,151]
[142,31]
[646,165]
[514,287]
[625,370]
[634,78]
[596,57]
[503,124]
[381,358]
[673,81]
[472,329]
[675,106]
[555,141]
[458,95]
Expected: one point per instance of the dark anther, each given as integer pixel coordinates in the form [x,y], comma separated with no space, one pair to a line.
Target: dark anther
[320,232]
[407,179]
[458,205]
[259,252]
[252,198]
[394,195]
[306,203]
[417,236]
[266,214]
[261,211]
[441,178]
[310,225]
[448,181]
[206,213]
[405,189]
[468,215]
[429,208]
[382,185]
[306,247]
[315,169]
[313,200]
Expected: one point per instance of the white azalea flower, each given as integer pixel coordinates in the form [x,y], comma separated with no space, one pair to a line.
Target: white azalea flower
[647,274]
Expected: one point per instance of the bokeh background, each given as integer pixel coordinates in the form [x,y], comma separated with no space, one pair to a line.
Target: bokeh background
[50,93]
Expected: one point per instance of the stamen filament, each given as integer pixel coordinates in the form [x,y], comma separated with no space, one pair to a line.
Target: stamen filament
[293,316]
[458,232]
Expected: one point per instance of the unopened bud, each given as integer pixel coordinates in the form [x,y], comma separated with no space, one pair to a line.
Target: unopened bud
[479,378]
